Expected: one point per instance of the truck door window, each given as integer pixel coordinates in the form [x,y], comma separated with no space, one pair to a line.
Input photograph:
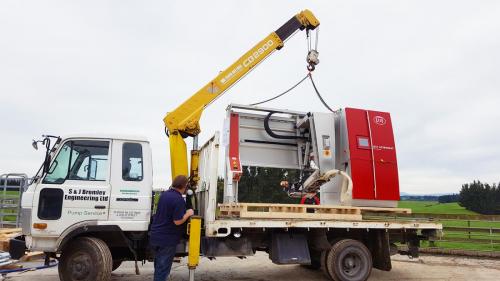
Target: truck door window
[132,168]
[80,160]
[59,168]
[50,204]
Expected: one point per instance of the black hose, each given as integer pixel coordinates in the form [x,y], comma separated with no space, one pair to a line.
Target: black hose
[319,95]
[273,134]
[293,87]
[285,92]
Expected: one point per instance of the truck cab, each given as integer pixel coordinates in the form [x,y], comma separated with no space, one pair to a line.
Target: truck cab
[98,184]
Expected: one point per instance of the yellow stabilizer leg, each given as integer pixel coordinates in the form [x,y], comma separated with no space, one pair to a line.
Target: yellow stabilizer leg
[194,232]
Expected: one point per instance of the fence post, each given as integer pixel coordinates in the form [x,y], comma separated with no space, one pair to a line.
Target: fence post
[491,237]
[468,225]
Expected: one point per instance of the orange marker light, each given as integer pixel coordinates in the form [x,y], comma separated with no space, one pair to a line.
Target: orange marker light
[40,225]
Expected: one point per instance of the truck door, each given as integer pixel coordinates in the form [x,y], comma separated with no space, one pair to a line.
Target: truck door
[131,180]
[75,189]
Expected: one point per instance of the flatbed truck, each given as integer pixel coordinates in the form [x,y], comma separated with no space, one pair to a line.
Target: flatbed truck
[91,203]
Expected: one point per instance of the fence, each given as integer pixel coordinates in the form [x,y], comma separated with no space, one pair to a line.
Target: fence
[461,233]
[12,187]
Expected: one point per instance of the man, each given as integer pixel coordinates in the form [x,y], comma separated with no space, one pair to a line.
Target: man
[166,229]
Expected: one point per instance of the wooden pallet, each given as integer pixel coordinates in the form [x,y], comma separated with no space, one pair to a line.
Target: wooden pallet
[296,211]
[31,256]
[5,235]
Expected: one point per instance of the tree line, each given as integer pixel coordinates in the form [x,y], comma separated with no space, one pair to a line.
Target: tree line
[476,196]
[480,197]
[262,185]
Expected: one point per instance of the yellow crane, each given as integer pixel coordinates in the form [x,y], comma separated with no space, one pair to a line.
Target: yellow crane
[184,120]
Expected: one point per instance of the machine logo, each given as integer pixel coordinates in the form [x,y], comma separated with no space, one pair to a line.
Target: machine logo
[379,120]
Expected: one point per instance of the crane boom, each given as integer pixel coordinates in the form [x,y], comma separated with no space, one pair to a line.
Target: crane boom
[184,120]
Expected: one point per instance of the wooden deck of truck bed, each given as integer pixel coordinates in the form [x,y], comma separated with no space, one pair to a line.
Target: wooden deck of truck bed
[296,211]
[268,216]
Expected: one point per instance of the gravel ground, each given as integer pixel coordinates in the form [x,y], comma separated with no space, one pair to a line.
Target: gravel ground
[260,268]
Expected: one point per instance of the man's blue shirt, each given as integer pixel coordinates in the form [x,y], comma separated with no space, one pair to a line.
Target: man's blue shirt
[164,232]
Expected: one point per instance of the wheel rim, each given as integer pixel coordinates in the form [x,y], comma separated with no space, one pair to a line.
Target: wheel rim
[80,266]
[352,264]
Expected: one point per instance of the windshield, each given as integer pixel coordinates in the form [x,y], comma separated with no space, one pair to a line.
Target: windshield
[80,160]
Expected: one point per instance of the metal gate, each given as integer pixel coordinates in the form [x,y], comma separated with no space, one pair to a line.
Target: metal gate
[12,187]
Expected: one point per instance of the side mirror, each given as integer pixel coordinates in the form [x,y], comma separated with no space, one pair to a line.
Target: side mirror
[35,144]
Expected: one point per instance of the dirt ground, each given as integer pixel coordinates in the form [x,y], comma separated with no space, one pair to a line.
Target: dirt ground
[260,268]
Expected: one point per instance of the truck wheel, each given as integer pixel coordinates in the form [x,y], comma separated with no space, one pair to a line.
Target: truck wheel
[86,259]
[116,264]
[349,260]
[324,255]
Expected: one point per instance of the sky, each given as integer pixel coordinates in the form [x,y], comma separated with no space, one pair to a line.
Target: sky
[117,67]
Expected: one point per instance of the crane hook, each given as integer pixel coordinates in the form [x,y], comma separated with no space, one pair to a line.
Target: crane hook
[312,60]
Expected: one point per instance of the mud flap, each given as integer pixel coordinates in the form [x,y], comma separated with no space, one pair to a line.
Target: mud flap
[17,248]
[290,248]
[380,248]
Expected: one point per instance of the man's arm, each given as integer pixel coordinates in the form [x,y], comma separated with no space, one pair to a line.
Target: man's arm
[180,214]
[185,217]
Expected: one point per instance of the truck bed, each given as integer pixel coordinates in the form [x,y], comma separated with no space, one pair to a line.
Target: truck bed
[259,215]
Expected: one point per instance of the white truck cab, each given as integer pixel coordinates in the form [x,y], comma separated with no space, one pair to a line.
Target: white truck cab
[98,182]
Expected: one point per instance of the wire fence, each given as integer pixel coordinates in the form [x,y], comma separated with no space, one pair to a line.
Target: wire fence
[461,233]
[12,187]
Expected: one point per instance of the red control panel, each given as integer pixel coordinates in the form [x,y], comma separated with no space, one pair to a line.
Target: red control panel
[234,146]
[374,169]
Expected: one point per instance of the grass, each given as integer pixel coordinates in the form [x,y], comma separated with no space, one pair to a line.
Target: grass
[463,246]
[432,207]
[471,223]
[9,192]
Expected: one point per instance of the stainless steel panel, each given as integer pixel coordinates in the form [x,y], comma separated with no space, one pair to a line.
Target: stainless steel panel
[26,221]
[258,148]
[269,155]
[324,140]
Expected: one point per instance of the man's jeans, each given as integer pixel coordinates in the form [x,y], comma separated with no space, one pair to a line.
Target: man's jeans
[164,257]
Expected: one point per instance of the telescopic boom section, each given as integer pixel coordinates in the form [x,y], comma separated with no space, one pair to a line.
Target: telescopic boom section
[184,120]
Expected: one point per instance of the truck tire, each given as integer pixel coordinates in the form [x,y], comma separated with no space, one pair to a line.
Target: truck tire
[116,264]
[86,259]
[349,260]
[324,269]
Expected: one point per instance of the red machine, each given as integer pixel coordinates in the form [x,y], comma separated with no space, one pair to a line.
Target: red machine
[368,154]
